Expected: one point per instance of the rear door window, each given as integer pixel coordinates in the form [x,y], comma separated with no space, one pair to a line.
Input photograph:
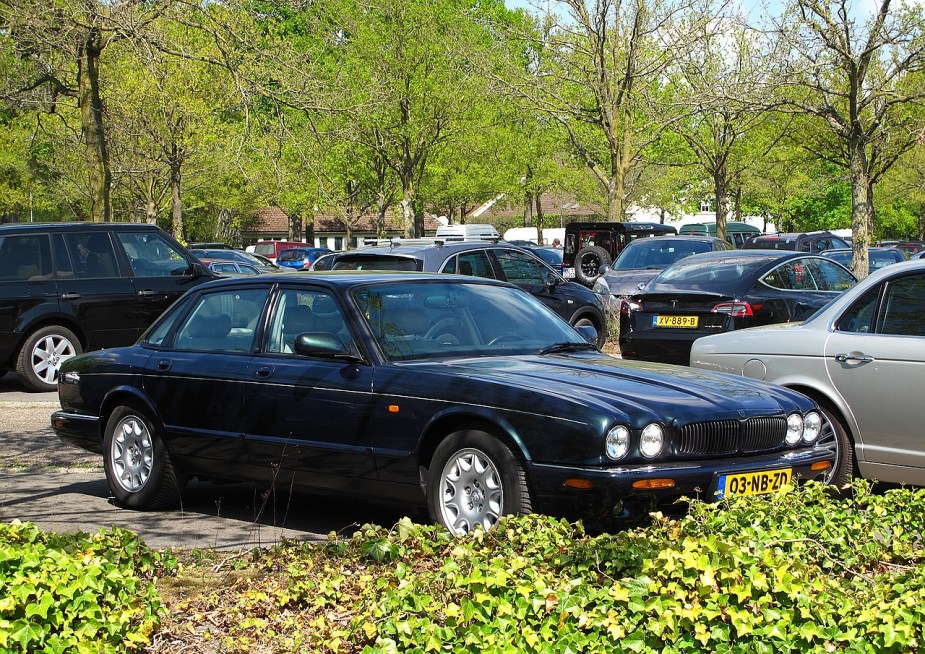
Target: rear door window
[25,257]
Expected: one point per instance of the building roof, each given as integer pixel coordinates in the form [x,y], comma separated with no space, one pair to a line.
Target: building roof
[275,220]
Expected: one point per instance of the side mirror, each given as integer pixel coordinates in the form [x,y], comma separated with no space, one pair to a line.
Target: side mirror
[551,280]
[588,333]
[603,269]
[320,344]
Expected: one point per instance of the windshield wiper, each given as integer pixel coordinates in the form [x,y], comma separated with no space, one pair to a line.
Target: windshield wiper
[566,347]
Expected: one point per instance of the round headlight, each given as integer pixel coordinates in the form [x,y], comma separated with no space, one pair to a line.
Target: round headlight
[651,441]
[812,425]
[617,443]
[794,429]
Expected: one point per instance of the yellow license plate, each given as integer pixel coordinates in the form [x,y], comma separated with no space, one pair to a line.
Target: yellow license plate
[674,321]
[754,483]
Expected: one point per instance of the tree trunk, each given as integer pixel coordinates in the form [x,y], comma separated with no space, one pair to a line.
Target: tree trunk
[539,219]
[861,208]
[150,200]
[92,127]
[722,202]
[176,205]
[295,226]
[407,209]
[528,209]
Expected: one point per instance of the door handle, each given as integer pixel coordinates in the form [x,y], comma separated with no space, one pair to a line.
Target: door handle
[163,364]
[147,293]
[70,296]
[853,357]
[263,372]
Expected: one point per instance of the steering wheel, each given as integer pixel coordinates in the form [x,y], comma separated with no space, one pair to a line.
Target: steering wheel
[505,337]
[445,330]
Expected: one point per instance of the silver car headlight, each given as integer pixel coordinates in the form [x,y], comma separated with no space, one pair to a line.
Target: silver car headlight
[812,426]
[617,443]
[601,287]
[794,429]
[652,440]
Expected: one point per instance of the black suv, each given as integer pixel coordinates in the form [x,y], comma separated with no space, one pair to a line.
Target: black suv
[575,303]
[799,241]
[70,287]
[588,246]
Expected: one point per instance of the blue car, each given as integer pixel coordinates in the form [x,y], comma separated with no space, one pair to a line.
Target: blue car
[300,258]
[465,395]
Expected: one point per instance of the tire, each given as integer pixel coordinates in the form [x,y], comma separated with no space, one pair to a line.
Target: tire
[835,437]
[586,321]
[42,354]
[473,481]
[588,261]
[138,466]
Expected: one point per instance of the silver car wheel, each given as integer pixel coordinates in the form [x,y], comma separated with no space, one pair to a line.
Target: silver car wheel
[471,491]
[828,440]
[48,354]
[132,454]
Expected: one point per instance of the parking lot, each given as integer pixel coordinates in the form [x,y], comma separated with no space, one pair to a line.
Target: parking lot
[63,489]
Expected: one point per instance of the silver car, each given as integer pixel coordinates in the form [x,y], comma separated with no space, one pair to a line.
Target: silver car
[862,358]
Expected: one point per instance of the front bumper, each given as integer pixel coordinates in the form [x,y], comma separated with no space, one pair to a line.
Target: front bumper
[609,497]
[79,430]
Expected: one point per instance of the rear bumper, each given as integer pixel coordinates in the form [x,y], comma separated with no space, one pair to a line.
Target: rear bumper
[668,348]
[611,498]
[79,430]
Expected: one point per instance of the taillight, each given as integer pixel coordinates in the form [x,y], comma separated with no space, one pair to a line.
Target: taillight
[628,306]
[734,309]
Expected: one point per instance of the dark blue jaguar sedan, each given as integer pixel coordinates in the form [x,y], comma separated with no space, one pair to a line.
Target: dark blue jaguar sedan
[464,394]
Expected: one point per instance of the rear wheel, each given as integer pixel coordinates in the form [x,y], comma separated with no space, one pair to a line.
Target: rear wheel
[138,466]
[42,354]
[474,480]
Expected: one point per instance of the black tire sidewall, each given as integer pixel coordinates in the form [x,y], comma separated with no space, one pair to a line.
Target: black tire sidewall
[503,459]
[844,466]
[603,258]
[24,360]
[151,491]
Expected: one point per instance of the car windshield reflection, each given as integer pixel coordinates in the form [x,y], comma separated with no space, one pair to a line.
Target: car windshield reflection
[429,321]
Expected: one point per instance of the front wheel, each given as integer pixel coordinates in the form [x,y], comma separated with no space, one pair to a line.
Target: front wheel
[474,480]
[138,466]
[42,354]
[835,437]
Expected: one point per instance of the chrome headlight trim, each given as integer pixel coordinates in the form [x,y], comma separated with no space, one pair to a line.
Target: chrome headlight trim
[617,442]
[652,440]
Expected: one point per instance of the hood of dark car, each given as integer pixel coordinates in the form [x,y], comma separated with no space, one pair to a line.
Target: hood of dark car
[627,282]
[640,391]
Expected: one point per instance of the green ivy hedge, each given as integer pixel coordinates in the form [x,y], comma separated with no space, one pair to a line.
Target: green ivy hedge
[801,572]
[77,592]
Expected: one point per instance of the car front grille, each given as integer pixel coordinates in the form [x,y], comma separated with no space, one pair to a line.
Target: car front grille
[724,437]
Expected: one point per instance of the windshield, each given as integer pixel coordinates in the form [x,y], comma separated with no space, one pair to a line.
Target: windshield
[656,254]
[376,262]
[435,319]
[292,255]
[709,270]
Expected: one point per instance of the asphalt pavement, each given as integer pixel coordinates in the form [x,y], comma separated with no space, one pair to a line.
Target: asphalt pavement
[63,489]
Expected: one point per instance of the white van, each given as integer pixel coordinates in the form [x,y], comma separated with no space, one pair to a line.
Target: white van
[467,233]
